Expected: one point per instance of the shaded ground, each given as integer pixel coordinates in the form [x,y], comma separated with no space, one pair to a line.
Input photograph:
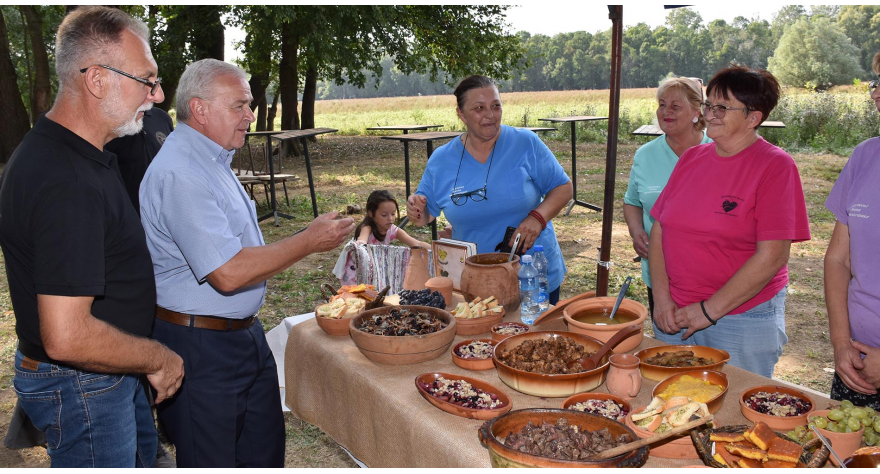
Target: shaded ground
[347,169]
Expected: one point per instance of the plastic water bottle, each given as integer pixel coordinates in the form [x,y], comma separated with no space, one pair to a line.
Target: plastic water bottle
[543,267]
[528,291]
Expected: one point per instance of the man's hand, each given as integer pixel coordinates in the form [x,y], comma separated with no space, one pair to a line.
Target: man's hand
[326,233]
[167,379]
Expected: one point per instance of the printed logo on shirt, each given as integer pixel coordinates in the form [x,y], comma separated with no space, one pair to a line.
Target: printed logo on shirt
[728,204]
[859,210]
[160,137]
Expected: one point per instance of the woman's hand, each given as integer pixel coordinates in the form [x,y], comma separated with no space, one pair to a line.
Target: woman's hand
[664,314]
[692,318]
[416,209]
[633,216]
[640,243]
[529,230]
[870,370]
[847,364]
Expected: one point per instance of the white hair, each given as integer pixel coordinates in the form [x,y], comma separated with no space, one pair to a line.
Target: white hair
[198,81]
[92,35]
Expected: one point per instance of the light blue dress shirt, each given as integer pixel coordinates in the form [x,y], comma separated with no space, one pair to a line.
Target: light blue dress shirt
[197,217]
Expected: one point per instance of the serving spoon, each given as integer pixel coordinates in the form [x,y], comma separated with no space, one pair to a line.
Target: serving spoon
[828,445]
[593,361]
[620,296]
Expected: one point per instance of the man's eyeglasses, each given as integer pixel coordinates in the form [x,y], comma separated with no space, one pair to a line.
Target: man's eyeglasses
[154,86]
[873,85]
[719,111]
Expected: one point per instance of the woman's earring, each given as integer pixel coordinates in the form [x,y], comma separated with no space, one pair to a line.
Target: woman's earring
[696,119]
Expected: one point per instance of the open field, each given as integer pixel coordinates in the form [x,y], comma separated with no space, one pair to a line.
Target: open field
[347,168]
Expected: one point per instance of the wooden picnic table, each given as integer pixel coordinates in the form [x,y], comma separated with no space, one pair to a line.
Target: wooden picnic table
[405,128]
[651,130]
[302,135]
[428,138]
[573,120]
[539,129]
[375,411]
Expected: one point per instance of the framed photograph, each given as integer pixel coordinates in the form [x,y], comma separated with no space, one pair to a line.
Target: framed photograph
[449,259]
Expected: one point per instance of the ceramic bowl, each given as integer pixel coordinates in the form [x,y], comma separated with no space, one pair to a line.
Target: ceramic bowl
[717,378]
[472,327]
[472,363]
[333,327]
[868,456]
[544,385]
[492,432]
[659,372]
[633,310]
[459,410]
[779,423]
[582,397]
[400,350]
[675,447]
[844,444]
[500,337]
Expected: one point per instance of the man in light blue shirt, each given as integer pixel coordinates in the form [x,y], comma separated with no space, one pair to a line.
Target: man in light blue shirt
[211,265]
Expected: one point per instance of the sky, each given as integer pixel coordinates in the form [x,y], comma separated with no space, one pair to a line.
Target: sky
[558,16]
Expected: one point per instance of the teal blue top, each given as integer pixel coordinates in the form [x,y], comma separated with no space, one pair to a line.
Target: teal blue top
[652,166]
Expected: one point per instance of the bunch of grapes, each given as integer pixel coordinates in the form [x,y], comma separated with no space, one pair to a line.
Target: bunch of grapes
[423,298]
[847,418]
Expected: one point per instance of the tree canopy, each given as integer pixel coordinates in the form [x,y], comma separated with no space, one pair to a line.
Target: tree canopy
[815,53]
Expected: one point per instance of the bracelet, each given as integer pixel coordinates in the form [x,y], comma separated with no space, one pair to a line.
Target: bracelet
[706,314]
[537,215]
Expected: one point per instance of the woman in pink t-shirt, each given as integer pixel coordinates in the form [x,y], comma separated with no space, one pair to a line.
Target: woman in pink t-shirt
[852,272]
[724,226]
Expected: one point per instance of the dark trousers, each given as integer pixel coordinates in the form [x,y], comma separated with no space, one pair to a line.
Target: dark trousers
[227,413]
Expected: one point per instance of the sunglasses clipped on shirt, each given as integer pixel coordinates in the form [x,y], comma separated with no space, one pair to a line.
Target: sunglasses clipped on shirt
[154,86]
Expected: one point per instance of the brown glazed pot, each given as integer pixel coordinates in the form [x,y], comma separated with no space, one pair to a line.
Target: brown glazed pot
[630,308]
[503,456]
[490,274]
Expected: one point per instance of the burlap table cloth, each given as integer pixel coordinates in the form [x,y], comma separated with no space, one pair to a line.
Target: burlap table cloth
[375,411]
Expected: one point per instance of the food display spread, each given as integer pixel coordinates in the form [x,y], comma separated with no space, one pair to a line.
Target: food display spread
[511,329]
[778,404]
[607,408]
[757,447]
[476,350]
[462,393]
[340,307]
[402,322]
[478,308]
[845,418]
[691,387]
[423,298]
[678,359]
[661,415]
[563,440]
[552,356]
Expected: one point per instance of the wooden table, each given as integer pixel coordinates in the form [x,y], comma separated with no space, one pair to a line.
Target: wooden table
[405,128]
[539,129]
[428,138]
[376,413]
[573,120]
[651,130]
[302,135]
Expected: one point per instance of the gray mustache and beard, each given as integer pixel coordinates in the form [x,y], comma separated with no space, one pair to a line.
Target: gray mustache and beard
[114,108]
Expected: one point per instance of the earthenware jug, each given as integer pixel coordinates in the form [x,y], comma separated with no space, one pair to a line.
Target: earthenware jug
[490,274]
[416,270]
[442,285]
[624,377]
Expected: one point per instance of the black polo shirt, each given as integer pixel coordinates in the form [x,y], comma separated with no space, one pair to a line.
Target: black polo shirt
[136,152]
[67,228]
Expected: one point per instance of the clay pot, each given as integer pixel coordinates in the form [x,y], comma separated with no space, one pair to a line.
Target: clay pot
[711,376]
[416,270]
[504,456]
[624,378]
[869,456]
[582,397]
[634,311]
[659,372]
[778,423]
[675,447]
[402,350]
[443,285]
[844,444]
[490,274]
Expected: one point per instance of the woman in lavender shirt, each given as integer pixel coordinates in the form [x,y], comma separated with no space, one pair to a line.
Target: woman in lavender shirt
[852,272]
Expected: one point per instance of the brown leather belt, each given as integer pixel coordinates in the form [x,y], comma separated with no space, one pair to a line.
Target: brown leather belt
[204,322]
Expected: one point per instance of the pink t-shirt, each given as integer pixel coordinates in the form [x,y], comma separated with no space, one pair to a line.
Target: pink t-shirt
[715,210]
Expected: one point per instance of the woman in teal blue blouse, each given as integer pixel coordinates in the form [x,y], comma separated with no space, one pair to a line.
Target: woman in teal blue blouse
[678,113]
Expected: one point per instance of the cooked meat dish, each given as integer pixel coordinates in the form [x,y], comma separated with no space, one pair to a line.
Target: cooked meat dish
[552,356]
[678,359]
[563,440]
[402,322]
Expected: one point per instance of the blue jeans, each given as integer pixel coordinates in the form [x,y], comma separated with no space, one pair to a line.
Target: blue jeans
[754,339]
[91,420]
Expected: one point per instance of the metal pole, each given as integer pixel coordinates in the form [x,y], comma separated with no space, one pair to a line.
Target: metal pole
[406,165]
[430,146]
[311,180]
[616,16]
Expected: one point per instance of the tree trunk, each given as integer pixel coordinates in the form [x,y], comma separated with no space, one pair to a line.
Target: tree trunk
[308,103]
[207,40]
[261,113]
[288,81]
[271,113]
[15,119]
[41,94]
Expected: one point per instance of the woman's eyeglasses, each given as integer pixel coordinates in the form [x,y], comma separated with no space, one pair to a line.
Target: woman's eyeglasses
[477,195]
[719,111]
[154,86]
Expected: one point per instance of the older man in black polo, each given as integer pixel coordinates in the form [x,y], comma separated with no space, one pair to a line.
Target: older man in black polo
[80,274]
